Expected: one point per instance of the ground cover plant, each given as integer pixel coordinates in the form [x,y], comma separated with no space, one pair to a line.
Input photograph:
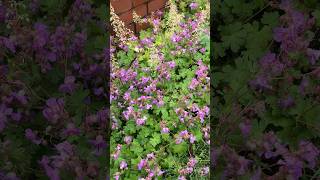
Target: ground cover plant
[53,89]
[266,89]
[160,96]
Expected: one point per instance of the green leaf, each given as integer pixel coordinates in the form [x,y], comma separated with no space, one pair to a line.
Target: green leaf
[233,36]
[165,114]
[75,101]
[316,14]
[130,128]
[102,12]
[270,18]
[180,148]
[155,140]
[136,148]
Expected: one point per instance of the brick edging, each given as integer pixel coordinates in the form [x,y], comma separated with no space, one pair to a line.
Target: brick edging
[144,8]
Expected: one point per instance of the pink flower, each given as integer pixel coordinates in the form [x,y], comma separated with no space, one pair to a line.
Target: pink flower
[151,174]
[142,163]
[172,64]
[201,115]
[194,83]
[193,6]
[179,140]
[204,171]
[175,38]
[117,175]
[192,138]
[192,162]
[203,50]
[156,22]
[123,165]
[150,156]
[128,139]
[141,121]
[148,106]
[206,110]
[160,173]
[184,134]
[127,96]
[165,130]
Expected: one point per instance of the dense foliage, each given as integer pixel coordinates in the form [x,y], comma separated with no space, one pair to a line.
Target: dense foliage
[266,89]
[53,89]
[160,98]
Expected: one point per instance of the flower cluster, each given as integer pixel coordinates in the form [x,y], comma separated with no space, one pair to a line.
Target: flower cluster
[53,114]
[266,98]
[153,109]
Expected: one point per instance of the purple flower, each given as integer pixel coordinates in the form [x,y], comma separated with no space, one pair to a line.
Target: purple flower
[178,140]
[202,70]
[102,116]
[3,12]
[194,83]
[313,55]
[245,127]
[260,83]
[116,176]
[128,139]
[69,85]
[146,41]
[165,130]
[156,22]
[303,85]
[65,149]
[16,116]
[4,113]
[236,165]
[192,162]
[80,12]
[204,171]
[99,144]
[57,40]
[142,163]
[160,172]
[192,139]
[123,165]
[193,6]
[30,135]
[279,34]
[293,165]
[287,102]
[41,37]
[175,38]
[271,64]
[201,114]
[8,43]
[309,153]
[34,5]
[203,50]
[141,121]
[172,64]
[78,44]
[151,174]
[54,110]
[71,130]
[52,172]
[150,156]
[20,97]
[98,91]
[184,134]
